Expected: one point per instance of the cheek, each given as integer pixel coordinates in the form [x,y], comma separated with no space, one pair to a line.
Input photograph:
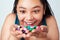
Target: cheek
[38,17]
[38,22]
[21,17]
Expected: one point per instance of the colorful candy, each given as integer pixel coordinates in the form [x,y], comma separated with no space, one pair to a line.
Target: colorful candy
[24,28]
[23,31]
[30,28]
[18,28]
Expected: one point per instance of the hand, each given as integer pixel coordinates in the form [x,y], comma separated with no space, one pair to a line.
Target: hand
[17,33]
[39,32]
[36,33]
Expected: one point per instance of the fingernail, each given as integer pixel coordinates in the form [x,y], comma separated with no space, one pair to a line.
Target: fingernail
[24,35]
[28,35]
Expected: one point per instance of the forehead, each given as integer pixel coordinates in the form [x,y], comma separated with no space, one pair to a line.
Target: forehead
[29,3]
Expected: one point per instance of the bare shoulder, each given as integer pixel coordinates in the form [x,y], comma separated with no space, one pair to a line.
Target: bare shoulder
[52,23]
[10,20]
[52,28]
[51,20]
[11,16]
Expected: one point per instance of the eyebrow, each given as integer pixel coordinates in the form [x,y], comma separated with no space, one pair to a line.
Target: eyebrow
[22,7]
[33,7]
[36,7]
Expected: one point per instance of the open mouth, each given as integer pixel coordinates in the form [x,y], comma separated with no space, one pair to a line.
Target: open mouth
[29,23]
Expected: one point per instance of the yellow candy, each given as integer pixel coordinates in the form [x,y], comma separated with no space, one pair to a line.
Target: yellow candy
[21,28]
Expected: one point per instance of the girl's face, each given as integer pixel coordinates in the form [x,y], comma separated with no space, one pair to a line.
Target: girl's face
[30,12]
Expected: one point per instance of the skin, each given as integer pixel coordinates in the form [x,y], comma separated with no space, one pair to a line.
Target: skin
[29,15]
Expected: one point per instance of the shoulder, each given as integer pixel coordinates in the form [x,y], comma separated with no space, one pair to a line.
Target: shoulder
[52,28]
[11,16]
[10,20]
[51,22]
[51,19]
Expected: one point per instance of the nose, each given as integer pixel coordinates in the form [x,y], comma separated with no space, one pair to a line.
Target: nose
[29,17]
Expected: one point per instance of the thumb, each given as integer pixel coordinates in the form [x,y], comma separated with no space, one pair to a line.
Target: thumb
[44,28]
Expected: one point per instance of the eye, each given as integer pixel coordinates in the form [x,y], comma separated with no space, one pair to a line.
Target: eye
[22,11]
[36,11]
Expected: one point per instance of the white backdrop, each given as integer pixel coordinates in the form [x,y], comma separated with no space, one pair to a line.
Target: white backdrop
[6,7]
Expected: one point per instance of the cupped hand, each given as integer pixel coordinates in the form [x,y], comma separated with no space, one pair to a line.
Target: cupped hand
[39,32]
[17,32]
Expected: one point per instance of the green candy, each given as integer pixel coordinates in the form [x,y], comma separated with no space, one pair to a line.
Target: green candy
[29,28]
[35,27]
[25,26]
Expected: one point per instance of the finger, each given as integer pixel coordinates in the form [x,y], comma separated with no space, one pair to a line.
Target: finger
[17,27]
[34,30]
[26,31]
[38,32]
[12,28]
[20,34]
[23,35]
[41,28]
[44,28]
[29,34]
[23,30]
[16,33]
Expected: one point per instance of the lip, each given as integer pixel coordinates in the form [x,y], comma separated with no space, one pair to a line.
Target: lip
[30,23]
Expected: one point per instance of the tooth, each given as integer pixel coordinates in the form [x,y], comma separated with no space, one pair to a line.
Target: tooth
[29,23]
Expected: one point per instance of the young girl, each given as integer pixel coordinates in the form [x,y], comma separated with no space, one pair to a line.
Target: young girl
[30,12]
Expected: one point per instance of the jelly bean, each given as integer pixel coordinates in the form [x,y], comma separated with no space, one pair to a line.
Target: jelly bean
[23,31]
[30,29]
[21,28]
[18,28]
[35,27]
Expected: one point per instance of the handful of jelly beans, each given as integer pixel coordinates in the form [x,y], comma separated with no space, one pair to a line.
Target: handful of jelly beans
[30,28]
